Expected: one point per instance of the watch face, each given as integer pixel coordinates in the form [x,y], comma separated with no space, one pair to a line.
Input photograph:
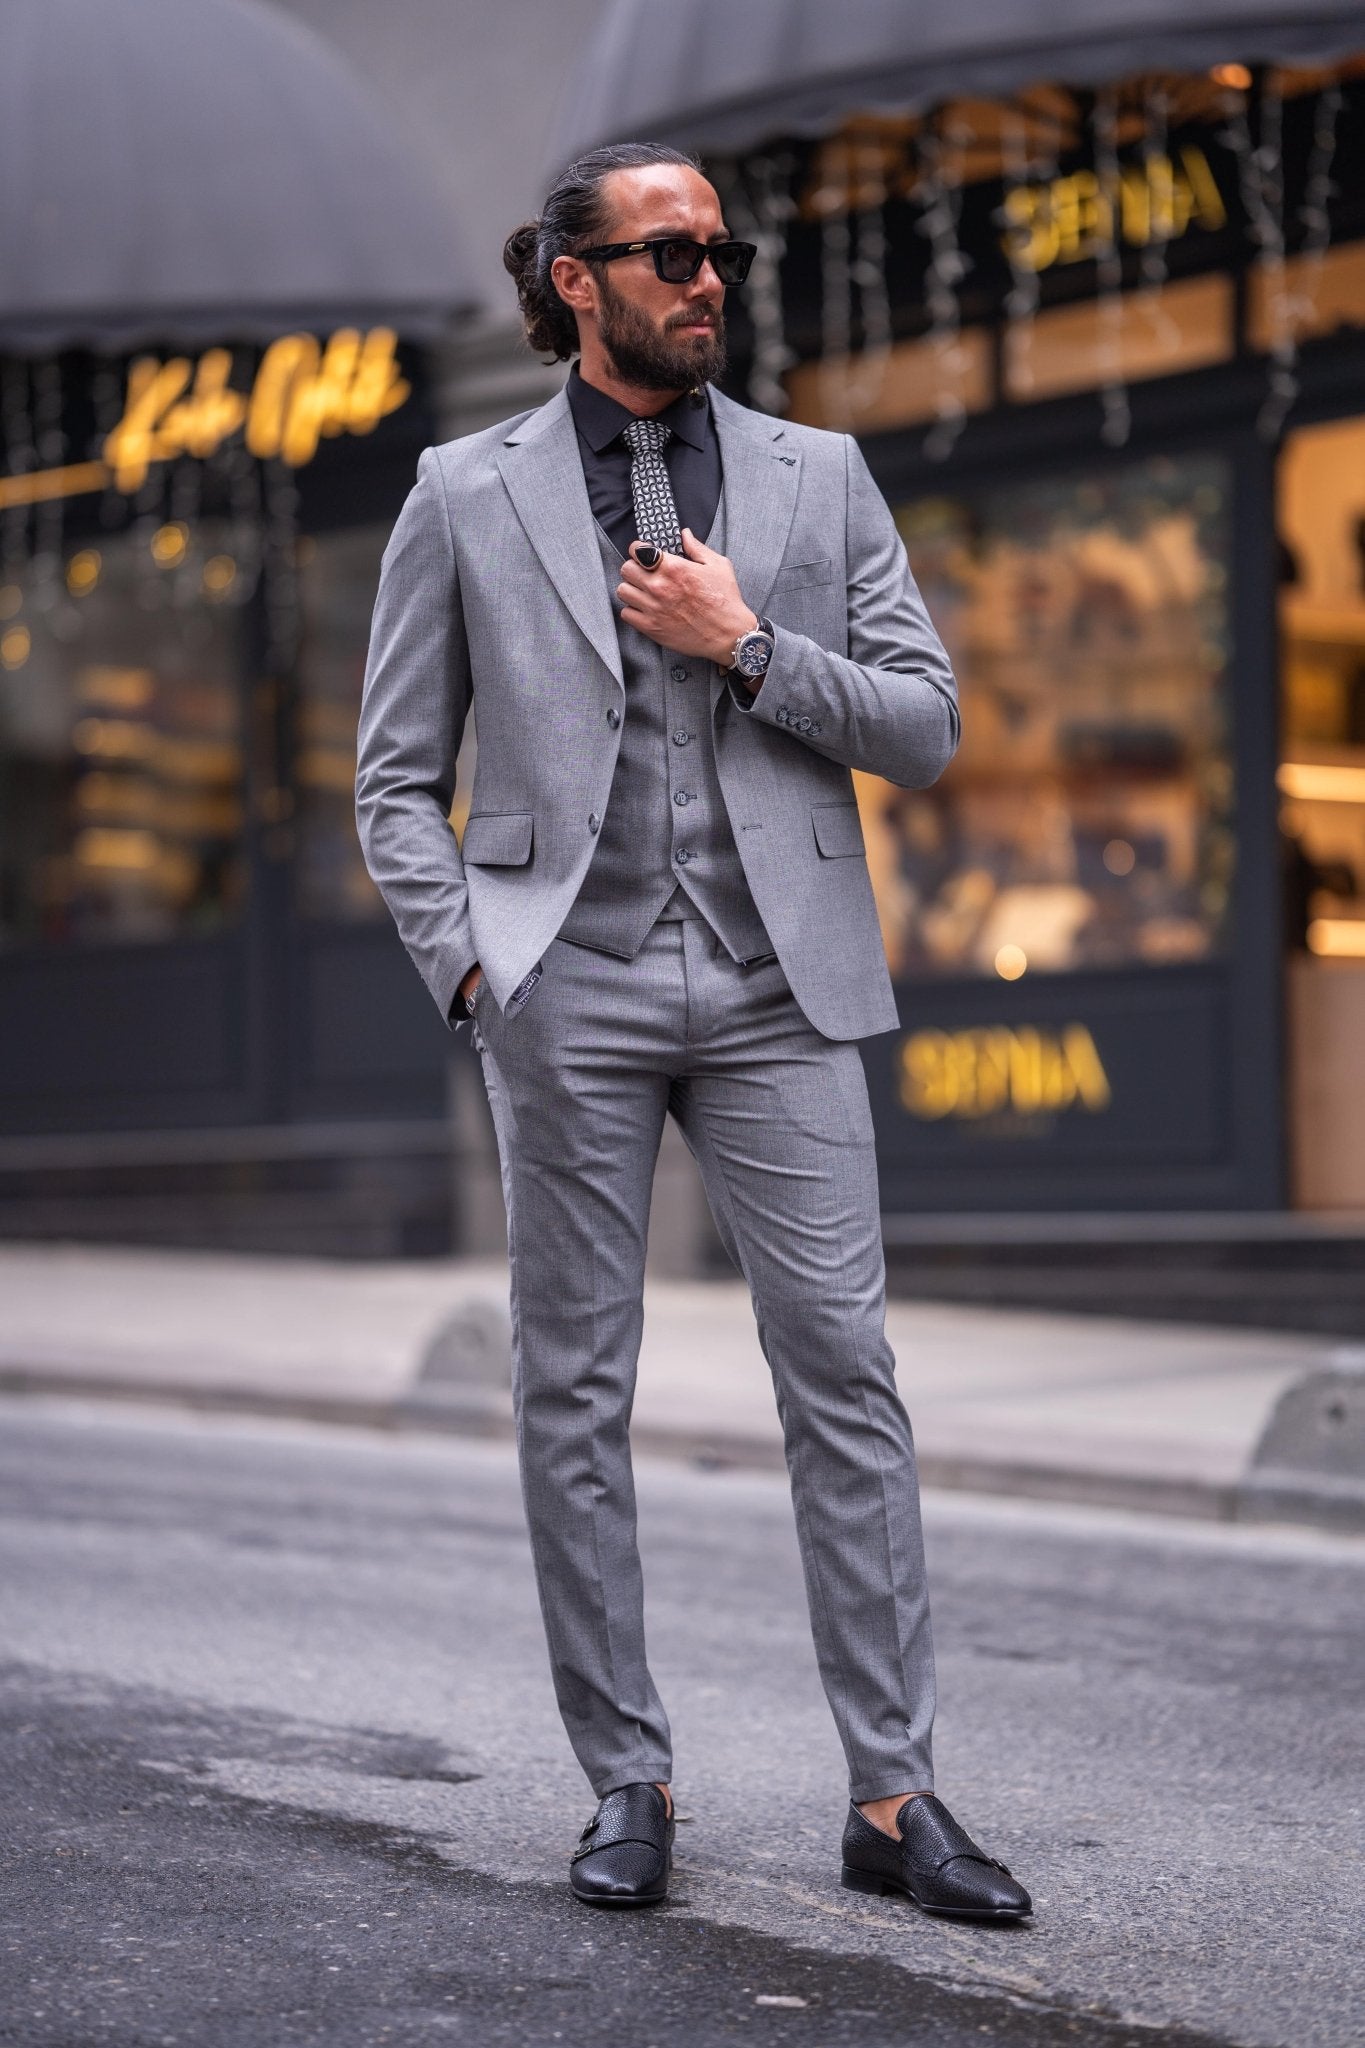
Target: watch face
[753,654]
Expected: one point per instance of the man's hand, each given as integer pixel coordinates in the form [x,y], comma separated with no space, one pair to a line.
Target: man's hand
[470,983]
[692,605]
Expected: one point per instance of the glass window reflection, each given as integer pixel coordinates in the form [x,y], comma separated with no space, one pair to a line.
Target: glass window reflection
[338,579]
[1086,821]
[121,760]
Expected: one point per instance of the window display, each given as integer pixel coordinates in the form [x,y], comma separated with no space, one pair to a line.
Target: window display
[121,760]
[1086,821]
[338,578]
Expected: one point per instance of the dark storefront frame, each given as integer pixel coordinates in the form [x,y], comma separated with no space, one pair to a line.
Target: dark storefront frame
[1228,1011]
[276,1018]
[1234,1003]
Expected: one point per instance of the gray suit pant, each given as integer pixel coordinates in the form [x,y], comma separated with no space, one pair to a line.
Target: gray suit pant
[579,1081]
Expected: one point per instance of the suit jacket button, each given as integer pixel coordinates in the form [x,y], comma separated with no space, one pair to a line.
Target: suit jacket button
[593,821]
[613,718]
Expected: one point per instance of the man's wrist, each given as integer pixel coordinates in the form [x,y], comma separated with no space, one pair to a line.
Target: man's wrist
[747,622]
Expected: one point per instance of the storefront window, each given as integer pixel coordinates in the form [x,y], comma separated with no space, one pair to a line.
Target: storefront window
[120,748]
[339,575]
[1086,821]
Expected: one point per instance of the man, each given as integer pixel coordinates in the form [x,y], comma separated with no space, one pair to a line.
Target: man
[681,624]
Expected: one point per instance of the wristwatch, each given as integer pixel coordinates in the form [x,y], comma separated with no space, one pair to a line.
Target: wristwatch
[754,650]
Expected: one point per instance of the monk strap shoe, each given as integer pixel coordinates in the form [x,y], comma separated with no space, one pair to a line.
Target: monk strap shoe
[626,1851]
[935,1864]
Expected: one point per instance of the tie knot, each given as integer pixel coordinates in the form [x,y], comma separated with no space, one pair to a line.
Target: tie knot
[646,437]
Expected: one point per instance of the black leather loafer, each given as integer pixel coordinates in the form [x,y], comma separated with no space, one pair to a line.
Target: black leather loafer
[625,1852]
[935,1864]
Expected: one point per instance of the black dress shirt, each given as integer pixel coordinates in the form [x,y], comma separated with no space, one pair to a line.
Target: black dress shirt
[692,457]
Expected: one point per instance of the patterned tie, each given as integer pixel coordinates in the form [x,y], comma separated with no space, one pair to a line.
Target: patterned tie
[656,515]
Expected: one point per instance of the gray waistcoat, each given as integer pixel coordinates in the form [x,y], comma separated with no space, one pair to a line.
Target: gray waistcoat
[665,844]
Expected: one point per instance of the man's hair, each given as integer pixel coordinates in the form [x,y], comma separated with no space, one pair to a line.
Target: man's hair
[573,217]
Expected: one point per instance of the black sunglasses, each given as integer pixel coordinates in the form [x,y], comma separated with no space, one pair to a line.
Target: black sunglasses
[677,261]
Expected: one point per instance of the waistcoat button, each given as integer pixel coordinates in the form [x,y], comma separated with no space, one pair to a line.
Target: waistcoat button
[683,796]
[682,856]
[680,738]
[678,673]
[613,718]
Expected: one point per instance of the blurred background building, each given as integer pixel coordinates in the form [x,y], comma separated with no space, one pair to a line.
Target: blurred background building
[1093,303]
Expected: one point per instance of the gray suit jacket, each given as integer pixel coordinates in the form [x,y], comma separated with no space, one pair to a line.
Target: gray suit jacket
[491,594]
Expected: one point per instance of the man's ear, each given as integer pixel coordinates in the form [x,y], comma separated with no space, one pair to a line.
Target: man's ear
[574,283]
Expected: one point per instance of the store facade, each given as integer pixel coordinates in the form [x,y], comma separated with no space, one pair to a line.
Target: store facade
[210,1031]
[1103,345]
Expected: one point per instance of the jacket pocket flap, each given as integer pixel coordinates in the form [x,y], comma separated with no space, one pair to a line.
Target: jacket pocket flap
[794,575]
[838,829]
[498,839]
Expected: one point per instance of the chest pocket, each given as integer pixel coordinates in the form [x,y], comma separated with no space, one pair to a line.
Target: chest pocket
[801,575]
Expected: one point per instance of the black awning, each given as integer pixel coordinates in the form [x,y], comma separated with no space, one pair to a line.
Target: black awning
[726,75]
[192,170]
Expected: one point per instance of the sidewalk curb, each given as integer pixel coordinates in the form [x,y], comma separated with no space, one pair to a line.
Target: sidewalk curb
[485,1414]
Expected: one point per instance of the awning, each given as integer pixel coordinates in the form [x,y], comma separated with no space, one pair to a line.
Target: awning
[726,75]
[194,170]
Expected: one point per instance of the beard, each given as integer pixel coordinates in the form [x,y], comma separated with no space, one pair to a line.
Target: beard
[653,358]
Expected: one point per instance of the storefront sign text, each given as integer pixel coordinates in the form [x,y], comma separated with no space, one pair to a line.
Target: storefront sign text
[1022,1069]
[1076,217]
[300,392]
[302,389]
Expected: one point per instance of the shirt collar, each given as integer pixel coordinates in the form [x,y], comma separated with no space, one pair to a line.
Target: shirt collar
[599,419]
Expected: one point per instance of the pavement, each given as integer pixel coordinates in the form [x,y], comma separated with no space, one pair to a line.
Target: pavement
[1154,1416]
[280,1765]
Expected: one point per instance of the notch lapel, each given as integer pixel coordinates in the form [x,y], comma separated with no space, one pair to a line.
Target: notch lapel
[543,472]
[762,473]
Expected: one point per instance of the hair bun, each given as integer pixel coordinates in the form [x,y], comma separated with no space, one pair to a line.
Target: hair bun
[519,250]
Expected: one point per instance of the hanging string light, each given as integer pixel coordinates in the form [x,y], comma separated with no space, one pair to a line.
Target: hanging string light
[1159,181]
[1022,298]
[868,272]
[281,539]
[762,205]
[836,280]
[47,569]
[21,456]
[1319,190]
[1260,178]
[942,146]
[1117,423]
[106,394]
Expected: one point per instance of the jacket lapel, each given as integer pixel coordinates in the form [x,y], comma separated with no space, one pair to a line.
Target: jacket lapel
[543,472]
[762,473]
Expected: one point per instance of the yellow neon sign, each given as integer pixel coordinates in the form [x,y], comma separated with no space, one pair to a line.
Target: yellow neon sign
[1072,218]
[1022,1070]
[302,390]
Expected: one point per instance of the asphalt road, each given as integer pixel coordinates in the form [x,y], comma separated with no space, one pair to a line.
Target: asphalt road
[279,1764]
